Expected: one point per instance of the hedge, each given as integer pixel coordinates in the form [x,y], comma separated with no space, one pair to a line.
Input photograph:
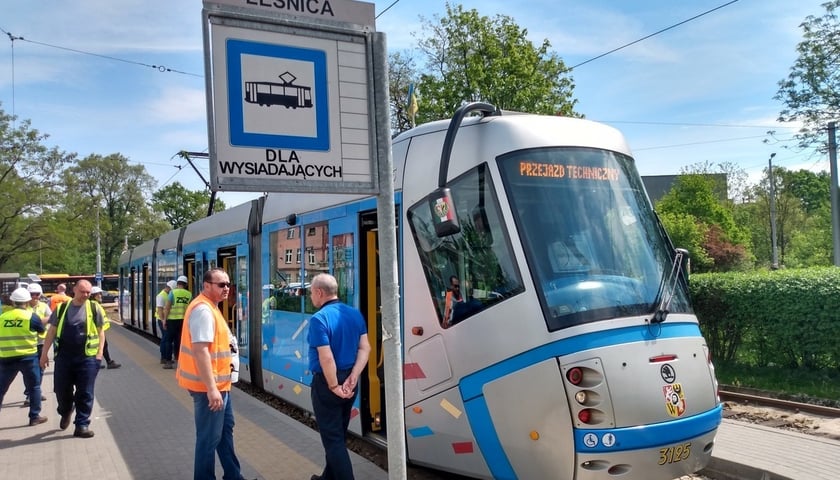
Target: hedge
[787,318]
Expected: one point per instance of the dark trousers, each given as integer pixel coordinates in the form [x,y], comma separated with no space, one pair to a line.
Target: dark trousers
[74,379]
[163,340]
[28,367]
[105,354]
[26,389]
[173,339]
[333,416]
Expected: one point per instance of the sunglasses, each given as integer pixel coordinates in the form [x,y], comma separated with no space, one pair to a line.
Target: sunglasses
[221,284]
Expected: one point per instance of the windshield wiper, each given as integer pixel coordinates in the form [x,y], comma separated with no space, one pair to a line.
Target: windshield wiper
[667,288]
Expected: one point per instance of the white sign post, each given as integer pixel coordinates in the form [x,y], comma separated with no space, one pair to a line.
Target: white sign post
[292,91]
[288,96]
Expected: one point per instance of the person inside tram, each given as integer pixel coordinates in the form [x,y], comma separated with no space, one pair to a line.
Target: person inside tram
[458,305]
[451,298]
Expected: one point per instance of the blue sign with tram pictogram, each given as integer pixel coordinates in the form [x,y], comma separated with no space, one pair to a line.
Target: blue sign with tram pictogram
[290,80]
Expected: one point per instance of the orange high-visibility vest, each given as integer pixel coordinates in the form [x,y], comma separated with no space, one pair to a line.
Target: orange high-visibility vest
[220,353]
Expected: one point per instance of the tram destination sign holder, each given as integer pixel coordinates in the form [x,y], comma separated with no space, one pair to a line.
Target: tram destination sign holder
[290,96]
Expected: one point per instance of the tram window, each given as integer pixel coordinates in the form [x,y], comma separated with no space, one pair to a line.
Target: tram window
[474,269]
[287,288]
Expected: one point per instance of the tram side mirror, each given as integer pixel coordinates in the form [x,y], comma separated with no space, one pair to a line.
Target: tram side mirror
[444,216]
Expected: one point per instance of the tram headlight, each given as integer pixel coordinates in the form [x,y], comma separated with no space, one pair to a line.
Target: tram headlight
[580,397]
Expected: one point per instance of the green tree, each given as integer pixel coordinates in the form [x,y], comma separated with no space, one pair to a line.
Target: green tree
[811,91]
[724,241]
[804,217]
[686,232]
[28,180]
[180,206]
[801,202]
[108,191]
[813,190]
[810,243]
[471,58]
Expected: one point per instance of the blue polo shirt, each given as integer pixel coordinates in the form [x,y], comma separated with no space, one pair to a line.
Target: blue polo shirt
[339,326]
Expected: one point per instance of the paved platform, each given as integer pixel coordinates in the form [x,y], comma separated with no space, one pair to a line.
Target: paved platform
[144,430]
[752,452]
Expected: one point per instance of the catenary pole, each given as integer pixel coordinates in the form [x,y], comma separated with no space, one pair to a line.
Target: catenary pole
[389,286]
[98,252]
[773,245]
[835,195]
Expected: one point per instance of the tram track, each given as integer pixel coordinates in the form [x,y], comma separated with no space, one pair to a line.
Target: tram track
[784,404]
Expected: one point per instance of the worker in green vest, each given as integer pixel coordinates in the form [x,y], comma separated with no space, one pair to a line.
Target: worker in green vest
[179,299]
[19,329]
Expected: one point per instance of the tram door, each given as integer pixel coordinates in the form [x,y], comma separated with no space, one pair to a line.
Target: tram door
[194,282]
[227,262]
[242,287]
[370,299]
[145,301]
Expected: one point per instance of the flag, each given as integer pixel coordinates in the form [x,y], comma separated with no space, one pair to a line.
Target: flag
[412,104]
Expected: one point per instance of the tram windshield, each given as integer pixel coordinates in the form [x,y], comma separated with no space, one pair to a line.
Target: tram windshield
[593,244]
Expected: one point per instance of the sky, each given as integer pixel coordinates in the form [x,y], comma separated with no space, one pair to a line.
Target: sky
[84,72]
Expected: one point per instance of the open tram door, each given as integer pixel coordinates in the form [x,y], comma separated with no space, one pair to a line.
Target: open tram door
[370,301]
[194,283]
[227,262]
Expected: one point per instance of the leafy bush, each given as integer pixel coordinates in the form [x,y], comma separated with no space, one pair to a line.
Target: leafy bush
[783,318]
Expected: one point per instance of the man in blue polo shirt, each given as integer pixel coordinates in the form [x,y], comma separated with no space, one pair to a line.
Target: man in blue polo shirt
[338,353]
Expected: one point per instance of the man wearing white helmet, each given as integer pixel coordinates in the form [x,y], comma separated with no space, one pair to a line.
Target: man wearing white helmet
[179,299]
[96,296]
[43,311]
[160,314]
[19,329]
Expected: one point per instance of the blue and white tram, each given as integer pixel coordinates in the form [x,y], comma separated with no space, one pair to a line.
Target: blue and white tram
[547,330]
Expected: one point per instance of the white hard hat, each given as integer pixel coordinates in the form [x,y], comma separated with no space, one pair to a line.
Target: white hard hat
[171,284]
[95,290]
[183,279]
[35,288]
[20,295]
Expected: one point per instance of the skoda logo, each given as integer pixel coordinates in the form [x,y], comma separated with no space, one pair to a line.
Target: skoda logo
[668,373]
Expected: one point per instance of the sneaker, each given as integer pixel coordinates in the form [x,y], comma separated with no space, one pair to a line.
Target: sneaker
[37,421]
[163,362]
[26,402]
[112,364]
[169,366]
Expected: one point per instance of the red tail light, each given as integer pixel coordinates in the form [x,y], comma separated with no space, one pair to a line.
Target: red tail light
[575,376]
[585,415]
[663,358]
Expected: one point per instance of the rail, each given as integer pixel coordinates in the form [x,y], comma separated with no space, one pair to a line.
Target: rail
[765,401]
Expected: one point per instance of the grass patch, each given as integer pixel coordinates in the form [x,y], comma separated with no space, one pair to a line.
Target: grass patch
[821,384]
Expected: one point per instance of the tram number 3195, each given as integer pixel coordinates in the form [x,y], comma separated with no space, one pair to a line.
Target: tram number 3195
[674,454]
